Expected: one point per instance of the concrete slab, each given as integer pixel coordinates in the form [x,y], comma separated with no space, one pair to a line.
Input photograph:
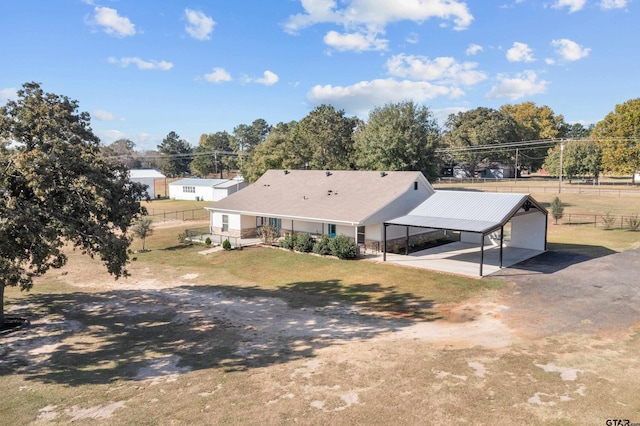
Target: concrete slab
[462,258]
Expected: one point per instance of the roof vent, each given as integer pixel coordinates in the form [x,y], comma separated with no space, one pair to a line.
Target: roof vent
[286,172]
[383,174]
[328,173]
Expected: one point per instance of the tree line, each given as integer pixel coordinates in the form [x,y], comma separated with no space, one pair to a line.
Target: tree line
[405,136]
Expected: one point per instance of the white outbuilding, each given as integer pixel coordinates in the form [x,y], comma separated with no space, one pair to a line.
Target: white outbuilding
[204,189]
[146,177]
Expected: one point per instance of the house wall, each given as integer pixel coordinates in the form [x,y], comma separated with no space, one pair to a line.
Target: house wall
[201,192]
[150,182]
[528,231]
[402,205]
[235,224]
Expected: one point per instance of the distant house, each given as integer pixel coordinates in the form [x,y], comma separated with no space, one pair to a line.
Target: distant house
[351,203]
[204,189]
[496,171]
[147,177]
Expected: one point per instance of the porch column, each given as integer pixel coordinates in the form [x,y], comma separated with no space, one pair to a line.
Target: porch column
[384,242]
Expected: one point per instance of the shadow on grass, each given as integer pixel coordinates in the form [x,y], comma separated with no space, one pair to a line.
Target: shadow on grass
[96,338]
[373,297]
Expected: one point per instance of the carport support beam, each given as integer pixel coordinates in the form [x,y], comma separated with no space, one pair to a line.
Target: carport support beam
[501,241]
[481,252]
[406,249]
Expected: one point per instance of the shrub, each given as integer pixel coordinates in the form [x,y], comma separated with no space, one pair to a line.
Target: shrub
[396,248]
[321,246]
[226,244]
[207,241]
[633,222]
[557,209]
[288,242]
[182,238]
[343,247]
[268,234]
[303,243]
[608,220]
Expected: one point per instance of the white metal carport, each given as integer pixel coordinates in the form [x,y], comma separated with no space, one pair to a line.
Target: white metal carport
[478,214]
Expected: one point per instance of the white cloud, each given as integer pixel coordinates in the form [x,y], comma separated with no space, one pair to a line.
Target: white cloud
[113,23]
[103,115]
[570,50]
[412,38]
[573,5]
[355,41]
[613,4]
[376,14]
[141,64]
[363,96]
[218,75]
[200,25]
[8,94]
[443,69]
[520,52]
[268,78]
[474,49]
[523,84]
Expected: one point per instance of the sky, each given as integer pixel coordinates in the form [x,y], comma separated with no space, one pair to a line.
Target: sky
[145,68]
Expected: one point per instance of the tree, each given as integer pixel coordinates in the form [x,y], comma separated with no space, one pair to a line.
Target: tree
[557,209]
[617,135]
[123,151]
[327,135]
[398,136]
[142,229]
[535,123]
[278,151]
[578,131]
[209,152]
[56,188]
[471,134]
[175,155]
[248,137]
[579,159]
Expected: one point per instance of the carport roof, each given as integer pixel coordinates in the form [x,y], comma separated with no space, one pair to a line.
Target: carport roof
[479,212]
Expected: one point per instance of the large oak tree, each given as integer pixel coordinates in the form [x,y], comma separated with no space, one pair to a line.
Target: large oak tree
[56,188]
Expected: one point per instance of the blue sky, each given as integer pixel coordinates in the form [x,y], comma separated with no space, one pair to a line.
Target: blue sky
[145,68]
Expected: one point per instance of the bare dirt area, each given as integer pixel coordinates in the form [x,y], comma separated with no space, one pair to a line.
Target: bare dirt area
[559,345]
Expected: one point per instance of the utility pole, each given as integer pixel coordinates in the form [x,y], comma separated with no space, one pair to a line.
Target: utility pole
[560,177]
[515,180]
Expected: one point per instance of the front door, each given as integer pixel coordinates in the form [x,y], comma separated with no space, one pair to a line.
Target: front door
[331,230]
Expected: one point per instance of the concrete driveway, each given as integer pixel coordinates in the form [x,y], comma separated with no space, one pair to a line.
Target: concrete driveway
[560,292]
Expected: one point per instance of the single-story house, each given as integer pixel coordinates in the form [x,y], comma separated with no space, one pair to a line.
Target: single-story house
[380,210]
[352,203]
[147,177]
[205,189]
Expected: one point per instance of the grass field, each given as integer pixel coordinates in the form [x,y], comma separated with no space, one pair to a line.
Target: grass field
[264,336]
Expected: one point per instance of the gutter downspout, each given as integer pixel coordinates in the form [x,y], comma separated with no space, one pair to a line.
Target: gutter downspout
[481,253]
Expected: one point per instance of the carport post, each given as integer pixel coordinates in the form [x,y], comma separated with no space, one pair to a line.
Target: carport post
[481,252]
[384,242]
[406,249]
[501,238]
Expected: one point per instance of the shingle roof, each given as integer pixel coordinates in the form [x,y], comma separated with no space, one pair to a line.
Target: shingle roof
[466,210]
[339,196]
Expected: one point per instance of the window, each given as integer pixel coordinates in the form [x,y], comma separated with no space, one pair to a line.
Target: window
[191,189]
[360,235]
[225,223]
